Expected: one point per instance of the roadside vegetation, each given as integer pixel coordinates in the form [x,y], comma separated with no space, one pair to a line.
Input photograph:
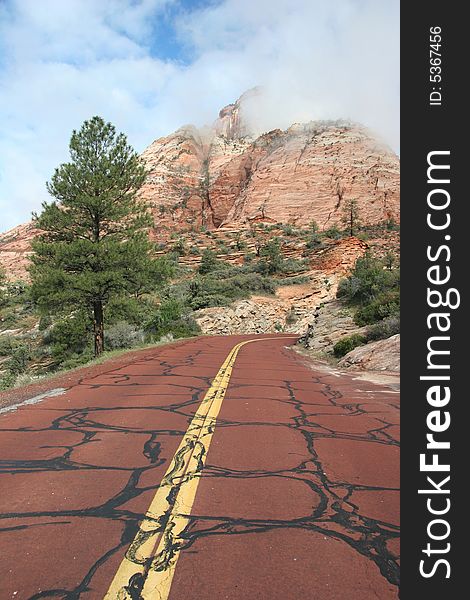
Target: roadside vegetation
[373,292]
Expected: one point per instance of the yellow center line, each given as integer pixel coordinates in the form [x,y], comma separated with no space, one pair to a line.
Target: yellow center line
[143,570]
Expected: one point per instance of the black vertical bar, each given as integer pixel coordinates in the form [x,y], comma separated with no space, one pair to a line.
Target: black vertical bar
[427,127]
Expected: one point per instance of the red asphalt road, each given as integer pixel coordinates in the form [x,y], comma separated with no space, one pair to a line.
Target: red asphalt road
[298,498]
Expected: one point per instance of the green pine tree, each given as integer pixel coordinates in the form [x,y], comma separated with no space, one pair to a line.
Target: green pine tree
[350,216]
[93,245]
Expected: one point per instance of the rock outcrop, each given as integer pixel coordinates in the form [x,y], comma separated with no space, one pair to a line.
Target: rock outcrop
[383,355]
[15,250]
[329,323]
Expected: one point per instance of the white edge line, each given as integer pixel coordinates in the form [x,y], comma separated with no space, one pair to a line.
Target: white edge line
[34,400]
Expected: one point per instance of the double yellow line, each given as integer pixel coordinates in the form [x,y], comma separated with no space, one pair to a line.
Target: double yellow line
[150,572]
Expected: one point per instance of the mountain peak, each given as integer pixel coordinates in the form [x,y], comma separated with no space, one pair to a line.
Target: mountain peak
[231,123]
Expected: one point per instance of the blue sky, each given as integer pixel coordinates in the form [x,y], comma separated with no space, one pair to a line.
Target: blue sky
[151,66]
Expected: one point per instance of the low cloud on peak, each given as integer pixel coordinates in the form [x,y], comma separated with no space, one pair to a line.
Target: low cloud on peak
[154,65]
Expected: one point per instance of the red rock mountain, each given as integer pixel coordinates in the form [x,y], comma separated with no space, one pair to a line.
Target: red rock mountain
[226,175]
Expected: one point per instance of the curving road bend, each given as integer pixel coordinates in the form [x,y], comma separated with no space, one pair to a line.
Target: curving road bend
[219,468]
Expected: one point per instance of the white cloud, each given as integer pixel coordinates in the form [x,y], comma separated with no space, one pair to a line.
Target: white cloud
[63,62]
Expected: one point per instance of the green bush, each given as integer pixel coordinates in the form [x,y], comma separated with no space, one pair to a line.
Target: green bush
[208,262]
[288,229]
[7,345]
[292,280]
[179,247]
[293,265]
[45,321]
[333,233]
[170,310]
[271,257]
[346,344]
[7,381]
[186,326]
[207,300]
[314,241]
[384,329]
[291,316]
[314,227]
[70,338]
[170,320]
[19,359]
[223,286]
[384,305]
[392,225]
[374,288]
[367,281]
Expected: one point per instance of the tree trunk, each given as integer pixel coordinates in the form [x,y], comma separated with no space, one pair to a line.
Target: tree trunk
[98,327]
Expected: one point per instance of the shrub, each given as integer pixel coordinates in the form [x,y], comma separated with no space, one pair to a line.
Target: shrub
[45,321]
[179,247]
[367,281]
[272,257]
[314,227]
[123,335]
[292,280]
[18,361]
[69,338]
[208,263]
[170,310]
[346,344]
[207,300]
[7,345]
[333,233]
[384,328]
[222,287]
[314,241]
[170,320]
[288,229]
[391,224]
[240,285]
[163,326]
[384,305]
[7,381]
[75,360]
[186,326]
[293,265]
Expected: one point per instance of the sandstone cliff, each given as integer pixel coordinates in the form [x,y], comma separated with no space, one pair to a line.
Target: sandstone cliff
[200,178]
[224,176]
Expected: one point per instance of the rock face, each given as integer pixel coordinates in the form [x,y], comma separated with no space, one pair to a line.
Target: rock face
[383,355]
[15,250]
[225,176]
[329,323]
[306,172]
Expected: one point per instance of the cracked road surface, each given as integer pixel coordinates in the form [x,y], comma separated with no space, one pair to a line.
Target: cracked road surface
[219,468]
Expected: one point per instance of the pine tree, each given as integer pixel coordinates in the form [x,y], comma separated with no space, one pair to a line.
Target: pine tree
[350,216]
[94,242]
